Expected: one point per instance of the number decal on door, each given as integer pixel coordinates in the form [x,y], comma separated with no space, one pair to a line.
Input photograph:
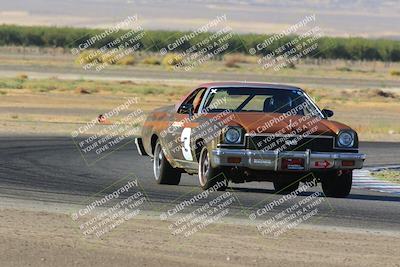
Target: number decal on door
[185,141]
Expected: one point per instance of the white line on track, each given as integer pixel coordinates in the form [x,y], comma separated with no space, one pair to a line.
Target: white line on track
[362,179]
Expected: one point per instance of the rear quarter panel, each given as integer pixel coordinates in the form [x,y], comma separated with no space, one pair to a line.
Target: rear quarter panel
[156,122]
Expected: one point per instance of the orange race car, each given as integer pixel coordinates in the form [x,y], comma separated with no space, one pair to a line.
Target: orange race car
[242,132]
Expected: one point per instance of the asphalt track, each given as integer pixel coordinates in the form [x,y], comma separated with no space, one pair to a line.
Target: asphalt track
[51,169]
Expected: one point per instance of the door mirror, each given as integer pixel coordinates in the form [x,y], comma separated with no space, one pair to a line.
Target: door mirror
[327,113]
[186,109]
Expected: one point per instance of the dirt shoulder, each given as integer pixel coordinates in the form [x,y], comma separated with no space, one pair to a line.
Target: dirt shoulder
[38,238]
[55,106]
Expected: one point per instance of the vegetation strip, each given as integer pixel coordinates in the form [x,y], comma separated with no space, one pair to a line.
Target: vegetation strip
[351,48]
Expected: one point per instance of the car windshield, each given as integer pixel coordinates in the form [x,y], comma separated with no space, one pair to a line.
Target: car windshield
[260,100]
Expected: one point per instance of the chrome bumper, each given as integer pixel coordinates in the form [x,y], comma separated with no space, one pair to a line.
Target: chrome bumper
[272,160]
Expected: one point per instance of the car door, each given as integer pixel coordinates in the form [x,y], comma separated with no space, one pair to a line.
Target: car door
[182,125]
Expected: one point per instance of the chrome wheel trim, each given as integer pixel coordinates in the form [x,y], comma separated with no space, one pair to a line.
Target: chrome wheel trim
[203,167]
[157,160]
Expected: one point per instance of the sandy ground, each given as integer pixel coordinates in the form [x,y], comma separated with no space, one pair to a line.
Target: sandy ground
[39,238]
[23,112]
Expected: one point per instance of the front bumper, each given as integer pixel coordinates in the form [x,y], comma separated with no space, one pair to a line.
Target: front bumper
[272,160]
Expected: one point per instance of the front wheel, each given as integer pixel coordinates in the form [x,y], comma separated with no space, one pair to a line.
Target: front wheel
[209,176]
[337,184]
[164,173]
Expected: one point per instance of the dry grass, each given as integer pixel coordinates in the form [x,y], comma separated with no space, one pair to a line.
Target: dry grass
[91,87]
[233,60]
[128,60]
[247,64]
[84,91]
[395,72]
[388,175]
[172,59]
[93,56]
[22,76]
[152,60]
[373,113]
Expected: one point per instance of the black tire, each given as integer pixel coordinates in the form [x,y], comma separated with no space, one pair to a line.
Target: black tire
[209,176]
[285,186]
[164,173]
[338,186]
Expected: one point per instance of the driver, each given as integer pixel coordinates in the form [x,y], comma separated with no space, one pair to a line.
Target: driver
[278,104]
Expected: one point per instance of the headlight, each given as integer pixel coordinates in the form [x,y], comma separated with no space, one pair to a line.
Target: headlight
[232,136]
[346,139]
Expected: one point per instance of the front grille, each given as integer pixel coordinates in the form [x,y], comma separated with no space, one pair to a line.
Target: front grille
[290,143]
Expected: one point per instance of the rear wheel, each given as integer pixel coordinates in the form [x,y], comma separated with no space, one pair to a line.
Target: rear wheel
[164,173]
[209,176]
[337,184]
[285,186]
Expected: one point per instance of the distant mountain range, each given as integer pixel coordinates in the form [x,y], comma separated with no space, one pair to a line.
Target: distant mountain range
[366,18]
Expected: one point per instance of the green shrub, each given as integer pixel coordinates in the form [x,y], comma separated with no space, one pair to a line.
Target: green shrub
[12,84]
[349,48]
[347,69]
[152,91]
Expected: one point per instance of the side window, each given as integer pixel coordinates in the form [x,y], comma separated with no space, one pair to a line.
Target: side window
[197,100]
[194,99]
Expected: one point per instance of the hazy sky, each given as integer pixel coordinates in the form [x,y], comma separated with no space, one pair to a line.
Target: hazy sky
[369,18]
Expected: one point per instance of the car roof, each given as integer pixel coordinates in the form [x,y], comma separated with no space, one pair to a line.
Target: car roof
[249,85]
